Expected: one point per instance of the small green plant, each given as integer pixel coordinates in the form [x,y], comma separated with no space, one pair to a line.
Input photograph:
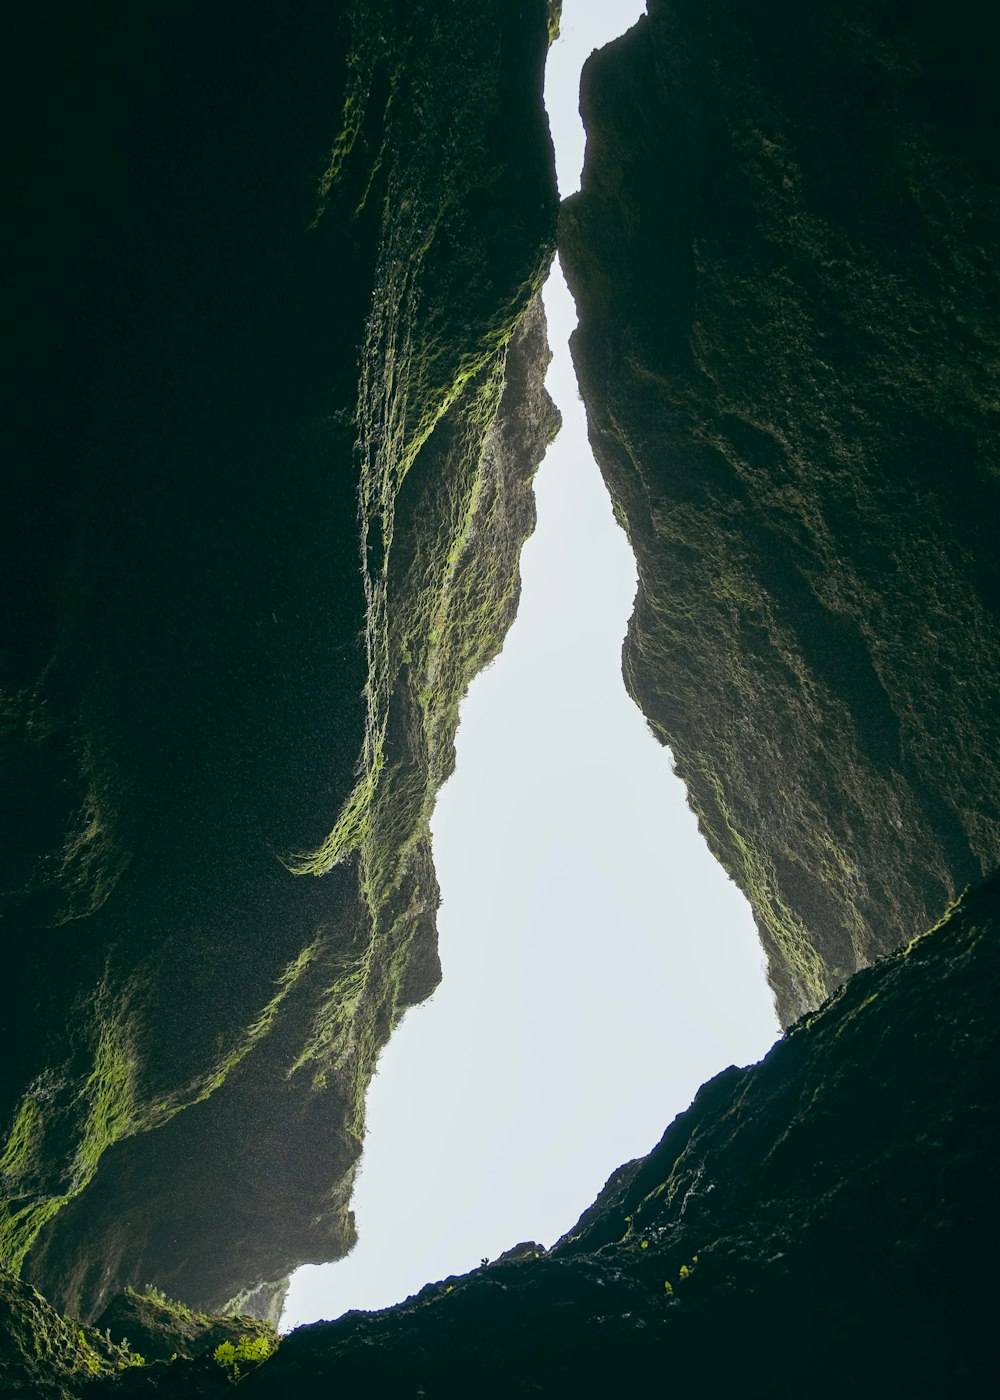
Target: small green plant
[237,1357]
[684,1272]
[131,1358]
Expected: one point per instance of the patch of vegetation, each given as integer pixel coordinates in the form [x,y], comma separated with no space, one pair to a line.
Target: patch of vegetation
[84,1114]
[441,604]
[45,1356]
[243,1355]
[442,521]
[162,1329]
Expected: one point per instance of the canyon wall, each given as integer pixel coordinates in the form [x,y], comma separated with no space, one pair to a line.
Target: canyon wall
[276,401]
[784,259]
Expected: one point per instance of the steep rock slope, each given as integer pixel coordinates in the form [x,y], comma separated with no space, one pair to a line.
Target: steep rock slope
[270,465]
[821,1222]
[784,255]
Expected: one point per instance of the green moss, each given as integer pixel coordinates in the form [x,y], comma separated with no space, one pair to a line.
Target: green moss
[23,1142]
[87,1115]
[45,1355]
[754,871]
[440,558]
[441,597]
[103,1108]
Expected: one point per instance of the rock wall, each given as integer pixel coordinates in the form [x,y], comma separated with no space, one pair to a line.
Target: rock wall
[784,259]
[270,463]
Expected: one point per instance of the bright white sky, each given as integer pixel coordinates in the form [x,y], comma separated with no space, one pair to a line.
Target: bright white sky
[598,964]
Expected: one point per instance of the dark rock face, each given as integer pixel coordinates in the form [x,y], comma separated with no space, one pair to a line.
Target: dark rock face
[268,493]
[44,1356]
[277,404]
[784,255]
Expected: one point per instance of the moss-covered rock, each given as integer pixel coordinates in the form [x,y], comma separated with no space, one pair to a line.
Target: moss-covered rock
[784,255]
[264,526]
[161,1329]
[44,1356]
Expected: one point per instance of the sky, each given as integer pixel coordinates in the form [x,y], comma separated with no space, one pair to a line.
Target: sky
[598,963]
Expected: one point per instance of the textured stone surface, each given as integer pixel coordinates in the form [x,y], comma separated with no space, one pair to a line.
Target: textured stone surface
[784,255]
[263,532]
[44,1356]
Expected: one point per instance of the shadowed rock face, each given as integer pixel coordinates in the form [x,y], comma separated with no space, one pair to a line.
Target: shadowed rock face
[265,497]
[784,258]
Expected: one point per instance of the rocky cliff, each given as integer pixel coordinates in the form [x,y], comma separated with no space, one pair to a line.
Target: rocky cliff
[270,443]
[784,255]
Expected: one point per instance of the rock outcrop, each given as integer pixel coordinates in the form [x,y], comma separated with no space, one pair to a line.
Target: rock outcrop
[269,474]
[784,255]
[44,1356]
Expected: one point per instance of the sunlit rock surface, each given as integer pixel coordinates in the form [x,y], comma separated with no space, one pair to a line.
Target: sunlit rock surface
[785,260]
[260,528]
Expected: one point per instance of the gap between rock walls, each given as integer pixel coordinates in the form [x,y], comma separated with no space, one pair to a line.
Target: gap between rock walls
[566,809]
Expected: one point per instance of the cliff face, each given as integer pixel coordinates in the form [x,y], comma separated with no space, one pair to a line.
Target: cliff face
[784,258]
[270,473]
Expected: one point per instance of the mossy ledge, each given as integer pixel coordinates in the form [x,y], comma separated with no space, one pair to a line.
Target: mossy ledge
[784,256]
[278,405]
